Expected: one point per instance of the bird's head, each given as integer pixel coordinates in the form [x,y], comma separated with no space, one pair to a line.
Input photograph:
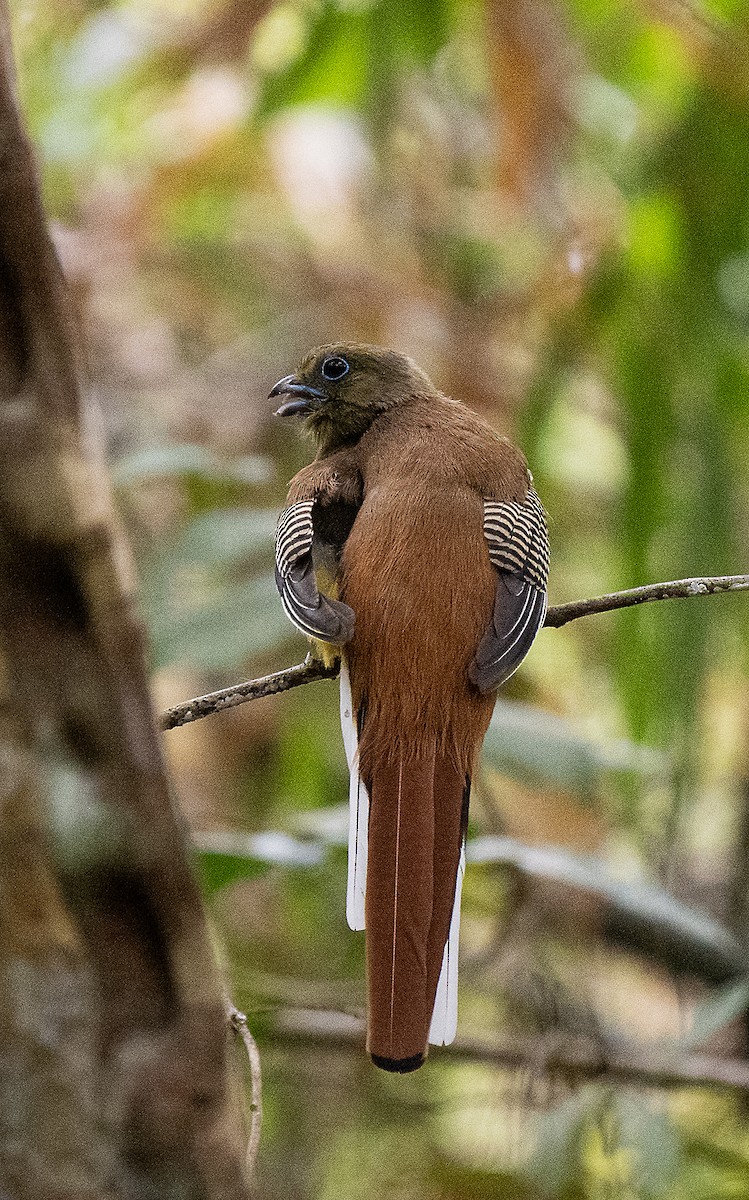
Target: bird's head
[341,389]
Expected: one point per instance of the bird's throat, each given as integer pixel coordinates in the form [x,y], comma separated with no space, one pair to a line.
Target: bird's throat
[339,427]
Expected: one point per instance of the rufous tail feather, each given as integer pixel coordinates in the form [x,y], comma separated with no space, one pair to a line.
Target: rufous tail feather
[416,827]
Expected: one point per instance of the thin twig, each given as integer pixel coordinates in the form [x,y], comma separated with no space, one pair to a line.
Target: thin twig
[678,589]
[238,1022]
[646,1066]
[269,685]
[311,670]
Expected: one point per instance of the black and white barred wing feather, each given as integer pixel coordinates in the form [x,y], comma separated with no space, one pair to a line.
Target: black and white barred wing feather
[316,615]
[518,544]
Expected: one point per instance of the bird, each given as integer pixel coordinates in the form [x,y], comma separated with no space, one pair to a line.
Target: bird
[413,549]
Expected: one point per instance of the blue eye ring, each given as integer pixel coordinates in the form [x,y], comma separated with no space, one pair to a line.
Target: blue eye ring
[334,368]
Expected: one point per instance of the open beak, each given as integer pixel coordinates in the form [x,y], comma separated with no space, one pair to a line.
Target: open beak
[304,399]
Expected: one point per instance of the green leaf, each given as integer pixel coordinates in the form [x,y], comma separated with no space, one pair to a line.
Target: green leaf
[713,1171]
[226,536]
[456,1181]
[711,1015]
[187,459]
[654,1142]
[225,857]
[353,56]
[640,915]
[330,69]
[555,1164]
[242,622]
[218,870]
[545,751]
[209,480]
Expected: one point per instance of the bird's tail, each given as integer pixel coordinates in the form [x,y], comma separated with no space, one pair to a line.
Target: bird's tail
[417,816]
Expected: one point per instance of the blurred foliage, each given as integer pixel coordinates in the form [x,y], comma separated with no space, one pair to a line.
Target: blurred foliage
[545,203]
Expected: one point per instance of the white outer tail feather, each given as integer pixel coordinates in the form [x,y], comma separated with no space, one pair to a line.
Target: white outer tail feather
[358,829]
[445,1015]
[444,1024]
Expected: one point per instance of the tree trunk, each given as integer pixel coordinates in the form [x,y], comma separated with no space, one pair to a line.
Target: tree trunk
[113,1072]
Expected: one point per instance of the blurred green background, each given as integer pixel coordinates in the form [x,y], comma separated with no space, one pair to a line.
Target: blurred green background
[547,205]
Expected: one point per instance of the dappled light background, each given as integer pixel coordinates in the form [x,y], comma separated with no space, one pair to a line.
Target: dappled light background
[546,204]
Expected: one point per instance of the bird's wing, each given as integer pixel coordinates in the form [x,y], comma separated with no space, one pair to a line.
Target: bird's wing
[518,545]
[316,615]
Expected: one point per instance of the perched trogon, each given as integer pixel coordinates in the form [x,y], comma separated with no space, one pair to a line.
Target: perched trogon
[414,548]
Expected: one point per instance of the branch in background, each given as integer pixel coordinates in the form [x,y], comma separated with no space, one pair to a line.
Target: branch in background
[310,670]
[238,1022]
[573,1058]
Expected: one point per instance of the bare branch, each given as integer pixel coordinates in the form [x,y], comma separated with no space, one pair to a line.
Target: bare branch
[574,1058]
[269,685]
[238,1022]
[310,671]
[679,589]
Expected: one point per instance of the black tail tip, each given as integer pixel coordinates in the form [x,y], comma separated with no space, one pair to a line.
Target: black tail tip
[401,1066]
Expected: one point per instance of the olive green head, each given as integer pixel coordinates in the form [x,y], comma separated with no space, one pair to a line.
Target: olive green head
[341,389]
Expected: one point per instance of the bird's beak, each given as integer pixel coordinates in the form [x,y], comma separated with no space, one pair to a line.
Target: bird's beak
[305,399]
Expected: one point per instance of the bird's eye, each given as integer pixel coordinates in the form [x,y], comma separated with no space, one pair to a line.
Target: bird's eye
[334,368]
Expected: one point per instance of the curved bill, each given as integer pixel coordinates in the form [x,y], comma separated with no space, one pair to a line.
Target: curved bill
[303,398]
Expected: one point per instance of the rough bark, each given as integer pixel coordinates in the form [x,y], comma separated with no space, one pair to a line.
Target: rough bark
[113,1072]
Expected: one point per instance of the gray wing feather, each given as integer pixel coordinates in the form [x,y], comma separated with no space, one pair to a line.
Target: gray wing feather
[314,614]
[519,548]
